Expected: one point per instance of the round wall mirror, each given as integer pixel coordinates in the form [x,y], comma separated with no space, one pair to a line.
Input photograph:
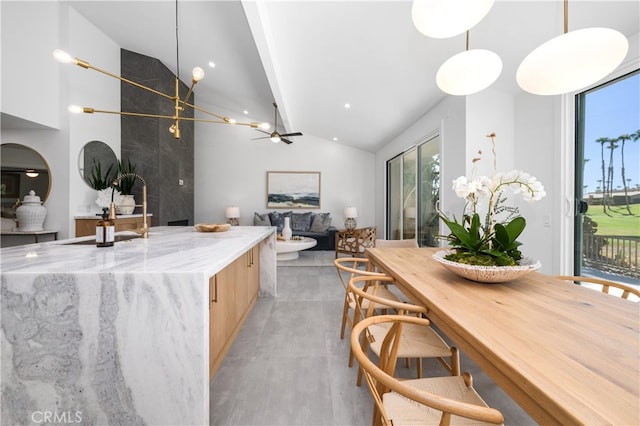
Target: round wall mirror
[97,164]
[23,169]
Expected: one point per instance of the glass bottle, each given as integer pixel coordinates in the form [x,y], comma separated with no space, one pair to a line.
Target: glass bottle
[105,230]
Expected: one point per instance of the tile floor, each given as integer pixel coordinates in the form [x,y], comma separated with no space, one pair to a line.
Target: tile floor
[288,365]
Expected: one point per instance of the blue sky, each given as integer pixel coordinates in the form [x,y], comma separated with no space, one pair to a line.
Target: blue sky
[610,112]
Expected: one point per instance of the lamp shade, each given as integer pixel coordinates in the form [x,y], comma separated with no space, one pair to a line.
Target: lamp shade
[447,18]
[232,212]
[469,72]
[572,61]
[350,212]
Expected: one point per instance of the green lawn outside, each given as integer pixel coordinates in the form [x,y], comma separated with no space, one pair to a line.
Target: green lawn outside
[618,222]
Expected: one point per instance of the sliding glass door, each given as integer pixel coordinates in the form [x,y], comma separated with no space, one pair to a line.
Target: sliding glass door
[413,184]
[429,192]
[607,181]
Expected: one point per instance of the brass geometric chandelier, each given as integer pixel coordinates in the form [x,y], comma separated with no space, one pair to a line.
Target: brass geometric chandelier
[179,104]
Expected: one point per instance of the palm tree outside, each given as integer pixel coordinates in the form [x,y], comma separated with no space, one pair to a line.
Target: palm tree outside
[602,141]
[623,139]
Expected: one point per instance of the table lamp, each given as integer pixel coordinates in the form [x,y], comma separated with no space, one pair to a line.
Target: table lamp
[350,214]
[233,213]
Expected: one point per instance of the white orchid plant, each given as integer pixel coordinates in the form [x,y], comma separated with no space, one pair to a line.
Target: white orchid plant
[492,243]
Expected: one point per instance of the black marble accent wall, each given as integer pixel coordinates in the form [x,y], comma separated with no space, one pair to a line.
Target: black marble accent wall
[160,159]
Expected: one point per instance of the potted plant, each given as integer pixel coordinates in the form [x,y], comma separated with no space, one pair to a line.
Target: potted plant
[127,178]
[481,248]
[98,180]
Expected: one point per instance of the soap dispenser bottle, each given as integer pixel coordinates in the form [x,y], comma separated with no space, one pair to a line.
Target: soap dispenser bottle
[105,230]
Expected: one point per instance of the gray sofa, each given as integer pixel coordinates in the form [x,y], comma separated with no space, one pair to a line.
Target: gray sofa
[306,224]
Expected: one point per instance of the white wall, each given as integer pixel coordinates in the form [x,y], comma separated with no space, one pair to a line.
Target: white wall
[231,170]
[62,28]
[88,88]
[538,152]
[30,87]
[490,111]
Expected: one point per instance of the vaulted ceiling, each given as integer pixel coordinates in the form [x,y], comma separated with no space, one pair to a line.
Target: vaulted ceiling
[313,57]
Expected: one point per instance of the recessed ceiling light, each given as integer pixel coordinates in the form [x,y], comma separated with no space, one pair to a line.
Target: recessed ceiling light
[245,112]
[335,139]
[347,105]
[212,64]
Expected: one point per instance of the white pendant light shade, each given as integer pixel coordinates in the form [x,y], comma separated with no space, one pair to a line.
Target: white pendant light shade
[469,72]
[572,61]
[447,18]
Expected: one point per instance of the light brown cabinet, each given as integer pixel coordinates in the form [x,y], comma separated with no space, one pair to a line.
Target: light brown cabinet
[232,293]
[85,227]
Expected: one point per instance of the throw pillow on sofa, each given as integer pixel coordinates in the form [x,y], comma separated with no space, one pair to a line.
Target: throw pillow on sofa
[320,222]
[261,219]
[277,219]
[301,221]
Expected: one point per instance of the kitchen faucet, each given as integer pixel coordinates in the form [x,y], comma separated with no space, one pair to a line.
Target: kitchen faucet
[144,231]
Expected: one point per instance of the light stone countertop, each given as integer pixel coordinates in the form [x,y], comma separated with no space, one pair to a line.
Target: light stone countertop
[168,249]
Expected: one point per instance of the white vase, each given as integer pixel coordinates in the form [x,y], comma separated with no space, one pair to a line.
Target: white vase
[286,230]
[31,213]
[127,205]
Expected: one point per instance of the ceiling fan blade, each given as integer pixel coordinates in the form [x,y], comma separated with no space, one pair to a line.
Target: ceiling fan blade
[255,139]
[287,141]
[262,131]
[292,134]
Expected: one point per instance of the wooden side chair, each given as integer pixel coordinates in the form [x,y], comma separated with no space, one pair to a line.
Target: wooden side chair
[418,341]
[428,401]
[349,268]
[604,285]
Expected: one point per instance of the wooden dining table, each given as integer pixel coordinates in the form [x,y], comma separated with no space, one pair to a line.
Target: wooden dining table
[565,353]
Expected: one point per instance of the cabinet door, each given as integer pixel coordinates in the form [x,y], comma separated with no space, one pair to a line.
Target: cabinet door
[231,293]
[240,273]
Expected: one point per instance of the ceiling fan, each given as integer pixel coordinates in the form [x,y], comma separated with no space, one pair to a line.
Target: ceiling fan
[275,136]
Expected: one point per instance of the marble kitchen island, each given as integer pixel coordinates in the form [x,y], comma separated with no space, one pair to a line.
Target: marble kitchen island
[117,335]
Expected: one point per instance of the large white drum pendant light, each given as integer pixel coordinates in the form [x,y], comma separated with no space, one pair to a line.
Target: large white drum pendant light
[469,72]
[447,18]
[572,61]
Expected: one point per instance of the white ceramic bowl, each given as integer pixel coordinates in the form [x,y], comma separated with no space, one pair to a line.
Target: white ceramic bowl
[487,274]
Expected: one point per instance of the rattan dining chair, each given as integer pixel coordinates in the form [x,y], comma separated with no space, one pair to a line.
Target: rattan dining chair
[348,268]
[604,285]
[418,341]
[428,401]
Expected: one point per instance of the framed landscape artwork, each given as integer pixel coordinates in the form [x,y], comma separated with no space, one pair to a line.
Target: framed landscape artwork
[293,190]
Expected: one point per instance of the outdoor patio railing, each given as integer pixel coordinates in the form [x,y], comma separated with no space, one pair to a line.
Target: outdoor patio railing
[610,253]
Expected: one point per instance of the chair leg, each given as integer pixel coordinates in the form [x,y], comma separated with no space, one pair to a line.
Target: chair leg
[419,367]
[345,316]
[365,348]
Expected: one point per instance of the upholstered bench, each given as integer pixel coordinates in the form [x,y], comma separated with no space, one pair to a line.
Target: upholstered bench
[307,224]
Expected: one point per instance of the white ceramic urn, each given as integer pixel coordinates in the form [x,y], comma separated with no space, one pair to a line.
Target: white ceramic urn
[127,205]
[31,213]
